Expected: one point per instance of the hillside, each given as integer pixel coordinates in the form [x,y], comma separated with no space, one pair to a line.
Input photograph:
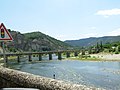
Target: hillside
[93,40]
[34,41]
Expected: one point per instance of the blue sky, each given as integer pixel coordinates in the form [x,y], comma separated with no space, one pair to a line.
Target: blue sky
[63,19]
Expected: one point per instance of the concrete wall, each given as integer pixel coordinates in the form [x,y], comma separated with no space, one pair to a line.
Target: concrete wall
[13,78]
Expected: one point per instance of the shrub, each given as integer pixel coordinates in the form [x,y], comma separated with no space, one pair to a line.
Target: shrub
[116,52]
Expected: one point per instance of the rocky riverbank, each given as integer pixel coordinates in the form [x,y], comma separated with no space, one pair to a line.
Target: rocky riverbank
[98,57]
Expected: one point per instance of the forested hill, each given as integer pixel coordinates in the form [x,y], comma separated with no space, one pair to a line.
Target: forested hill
[93,40]
[34,41]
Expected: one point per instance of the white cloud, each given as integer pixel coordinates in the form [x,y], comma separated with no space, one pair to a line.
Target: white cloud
[62,37]
[66,36]
[107,13]
[93,28]
[76,36]
[87,35]
[114,32]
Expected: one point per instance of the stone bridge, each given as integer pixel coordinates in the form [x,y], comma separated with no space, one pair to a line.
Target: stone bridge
[29,54]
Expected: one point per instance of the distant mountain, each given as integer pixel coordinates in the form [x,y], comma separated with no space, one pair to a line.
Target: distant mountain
[92,41]
[34,41]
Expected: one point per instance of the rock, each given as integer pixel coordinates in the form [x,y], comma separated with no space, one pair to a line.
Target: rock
[35,41]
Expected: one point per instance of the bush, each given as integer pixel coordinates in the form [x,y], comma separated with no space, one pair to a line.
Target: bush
[116,52]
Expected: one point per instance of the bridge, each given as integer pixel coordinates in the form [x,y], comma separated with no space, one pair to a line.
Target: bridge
[29,54]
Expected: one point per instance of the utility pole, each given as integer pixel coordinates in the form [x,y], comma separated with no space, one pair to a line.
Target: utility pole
[4,54]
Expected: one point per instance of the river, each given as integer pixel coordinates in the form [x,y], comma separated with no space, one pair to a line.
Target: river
[91,73]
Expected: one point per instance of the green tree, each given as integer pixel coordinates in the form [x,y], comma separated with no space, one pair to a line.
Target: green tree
[97,48]
[101,46]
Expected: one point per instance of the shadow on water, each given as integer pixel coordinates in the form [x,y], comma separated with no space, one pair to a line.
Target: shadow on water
[98,74]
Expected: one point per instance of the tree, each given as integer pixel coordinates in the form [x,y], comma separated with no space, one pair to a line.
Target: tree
[83,51]
[97,48]
[119,48]
[101,46]
[90,50]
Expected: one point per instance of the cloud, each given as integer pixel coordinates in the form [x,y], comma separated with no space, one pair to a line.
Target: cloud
[93,28]
[88,35]
[64,37]
[107,13]
[76,36]
[114,32]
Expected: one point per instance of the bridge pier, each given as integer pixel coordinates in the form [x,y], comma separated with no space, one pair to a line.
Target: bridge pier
[59,56]
[40,57]
[37,55]
[67,54]
[18,58]
[50,56]
[6,59]
[33,55]
[75,54]
[29,57]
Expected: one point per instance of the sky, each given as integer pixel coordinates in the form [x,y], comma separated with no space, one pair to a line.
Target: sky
[62,19]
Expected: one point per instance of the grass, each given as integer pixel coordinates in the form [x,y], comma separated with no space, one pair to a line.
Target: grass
[85,58]
[11,58]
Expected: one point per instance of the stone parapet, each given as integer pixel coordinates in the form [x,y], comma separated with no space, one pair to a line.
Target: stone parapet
[10,78]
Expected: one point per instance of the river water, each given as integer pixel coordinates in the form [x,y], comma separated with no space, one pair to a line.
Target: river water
[91,73]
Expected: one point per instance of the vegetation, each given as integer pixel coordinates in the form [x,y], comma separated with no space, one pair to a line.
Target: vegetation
[113,48]
[87,42]
[37,41]
[85,57]
[34,42]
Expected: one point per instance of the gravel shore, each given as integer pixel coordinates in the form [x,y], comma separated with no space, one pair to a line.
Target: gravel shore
[107,56]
